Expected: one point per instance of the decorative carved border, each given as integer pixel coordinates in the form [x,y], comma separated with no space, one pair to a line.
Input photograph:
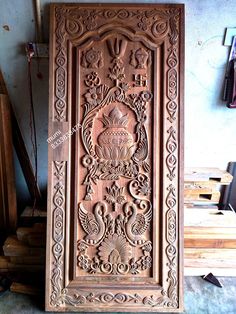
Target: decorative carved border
[72,22]
[58,218]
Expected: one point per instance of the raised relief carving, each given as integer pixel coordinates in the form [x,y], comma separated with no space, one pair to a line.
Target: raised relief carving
[171,160]
[116,153]
[58,214]
[92,58]
[115,195]
[140,58]
[115,143]
[117,48]
[93,224]
[172,83]
[140,80]
[113,236]
[115,229]
[75,22]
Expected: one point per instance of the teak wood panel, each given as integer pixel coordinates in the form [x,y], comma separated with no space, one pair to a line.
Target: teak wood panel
[115,161]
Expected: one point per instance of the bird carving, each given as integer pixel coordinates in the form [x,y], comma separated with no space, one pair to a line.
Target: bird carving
[137,224]
[93,224]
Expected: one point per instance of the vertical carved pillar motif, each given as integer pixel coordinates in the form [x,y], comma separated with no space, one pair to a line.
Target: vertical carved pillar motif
[58,215]
[60,106]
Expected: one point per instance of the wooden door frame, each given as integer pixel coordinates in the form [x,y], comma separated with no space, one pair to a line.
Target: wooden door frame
[167,28]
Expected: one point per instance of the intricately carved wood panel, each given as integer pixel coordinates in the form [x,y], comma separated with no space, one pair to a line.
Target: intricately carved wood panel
[114,235]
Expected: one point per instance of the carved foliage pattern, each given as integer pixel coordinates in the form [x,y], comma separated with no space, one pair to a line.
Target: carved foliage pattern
[58,215]
[115,233]
[171,147]
[61,65]
[75,24]
[107,161]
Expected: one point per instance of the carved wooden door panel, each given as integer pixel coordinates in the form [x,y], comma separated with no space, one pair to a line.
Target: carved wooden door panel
[115,155]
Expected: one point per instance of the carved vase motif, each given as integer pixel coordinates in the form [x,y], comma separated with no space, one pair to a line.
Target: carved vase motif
[115,143]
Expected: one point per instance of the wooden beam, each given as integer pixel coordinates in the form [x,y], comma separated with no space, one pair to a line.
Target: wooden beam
[8,208]
[21,150]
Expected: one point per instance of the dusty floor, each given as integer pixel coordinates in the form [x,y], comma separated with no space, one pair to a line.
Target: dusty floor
[200,297]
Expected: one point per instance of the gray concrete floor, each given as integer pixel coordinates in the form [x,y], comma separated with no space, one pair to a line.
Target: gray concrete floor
[200,297]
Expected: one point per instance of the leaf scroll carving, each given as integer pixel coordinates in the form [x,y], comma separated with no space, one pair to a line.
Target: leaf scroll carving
[114,227]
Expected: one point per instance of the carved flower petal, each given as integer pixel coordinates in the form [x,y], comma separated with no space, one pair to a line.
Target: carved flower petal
[115,153]
[123,152]
[106,152]
[98,150]
[130,152]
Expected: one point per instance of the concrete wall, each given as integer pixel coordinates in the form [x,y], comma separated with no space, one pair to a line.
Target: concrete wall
[210,127]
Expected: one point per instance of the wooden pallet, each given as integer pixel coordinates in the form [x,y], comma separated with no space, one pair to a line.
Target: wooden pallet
[209,241]
[210,175]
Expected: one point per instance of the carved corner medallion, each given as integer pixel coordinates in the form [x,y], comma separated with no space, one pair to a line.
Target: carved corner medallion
[114,234]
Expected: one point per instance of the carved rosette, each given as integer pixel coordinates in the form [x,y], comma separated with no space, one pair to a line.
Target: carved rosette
[114,242]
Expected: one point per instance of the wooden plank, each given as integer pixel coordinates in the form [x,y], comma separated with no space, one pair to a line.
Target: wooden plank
[14,247]
[24,232]
[204,174]
[21,150]
[4,260]
[205,242]
[209,218]
[213,197]
[8,205]
[210,253]
[29,260]
[210,263]
[33,236]
[211,230]
[194,188]
[25,289]
[212,233]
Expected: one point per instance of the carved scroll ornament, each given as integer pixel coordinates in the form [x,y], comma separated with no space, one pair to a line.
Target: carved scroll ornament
[117,228]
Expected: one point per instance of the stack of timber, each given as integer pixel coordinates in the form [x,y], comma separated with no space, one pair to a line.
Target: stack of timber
[209,241]
[203,185]
[25,251]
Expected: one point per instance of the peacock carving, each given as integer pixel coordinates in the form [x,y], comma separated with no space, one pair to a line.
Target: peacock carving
[93,224]
[137,223]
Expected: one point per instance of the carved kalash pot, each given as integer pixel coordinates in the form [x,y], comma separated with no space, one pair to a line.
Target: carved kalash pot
[115,142]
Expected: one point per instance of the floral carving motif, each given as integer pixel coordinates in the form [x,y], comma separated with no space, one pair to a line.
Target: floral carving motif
[75,26]
[60,73]
[115,195]
[115,253]
[116,153]
[92,58]
[58,231]
[140,187]
[114,237]
[171,247]
[171,160]
[117,49]
[172,82]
